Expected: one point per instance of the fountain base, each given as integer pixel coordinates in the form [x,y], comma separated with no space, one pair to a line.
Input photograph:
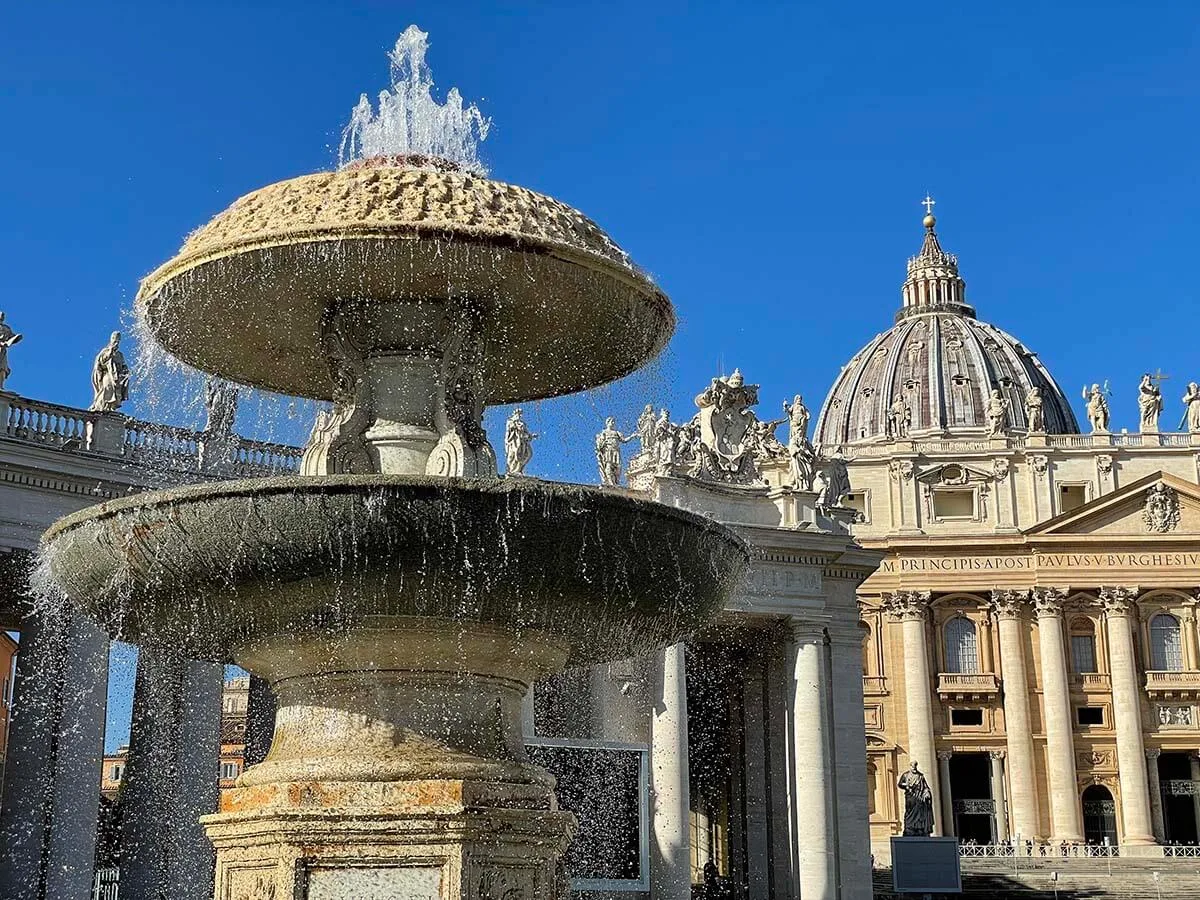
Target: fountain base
[398,770]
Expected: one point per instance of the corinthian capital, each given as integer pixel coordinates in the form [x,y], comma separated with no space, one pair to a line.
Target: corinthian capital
[1117,601]
[907,606]
[1048,601]
[1007,604]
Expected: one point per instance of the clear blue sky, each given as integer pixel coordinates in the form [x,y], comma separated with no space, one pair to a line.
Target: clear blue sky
[763,161]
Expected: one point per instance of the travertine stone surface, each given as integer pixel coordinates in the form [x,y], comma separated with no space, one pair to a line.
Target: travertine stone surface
[563,306]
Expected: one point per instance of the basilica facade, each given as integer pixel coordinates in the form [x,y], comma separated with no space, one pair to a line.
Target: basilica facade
[1030,635]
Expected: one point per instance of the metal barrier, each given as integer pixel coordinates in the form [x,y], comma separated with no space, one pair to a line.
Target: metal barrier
[106,884]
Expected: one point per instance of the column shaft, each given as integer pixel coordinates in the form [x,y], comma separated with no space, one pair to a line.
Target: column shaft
[947,800]
[998,797]
[1156,804]
[816,826]
[1131,751]
[671,863]
[1194,760]
[850,761]
[1065,814]
[1188,627]
[56,744]
[1018,724]
[911,608]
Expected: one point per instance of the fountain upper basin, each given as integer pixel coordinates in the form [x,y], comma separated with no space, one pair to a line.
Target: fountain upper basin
[214,567]
[563,307]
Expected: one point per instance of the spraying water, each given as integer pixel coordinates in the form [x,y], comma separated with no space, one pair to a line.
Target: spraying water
[410,122]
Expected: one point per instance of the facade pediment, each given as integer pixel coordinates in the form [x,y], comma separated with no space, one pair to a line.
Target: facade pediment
[953,474]
[1159,505]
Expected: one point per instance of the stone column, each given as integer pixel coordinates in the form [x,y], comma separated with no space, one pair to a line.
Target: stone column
[911,609]
[671,855]
[943,757]
[1119,614]
[998,794]
[171,778]
[56,745]
[812,762]
[1188,627]
[260,721]
[1156,806]
[1065,815]
[1194,760]
[850,761]
[986,663]
[1007,607]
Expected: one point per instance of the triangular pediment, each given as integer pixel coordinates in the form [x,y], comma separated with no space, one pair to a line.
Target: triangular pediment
[1157,506]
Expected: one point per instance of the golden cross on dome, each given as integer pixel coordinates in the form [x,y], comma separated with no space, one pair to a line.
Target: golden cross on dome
[929,203]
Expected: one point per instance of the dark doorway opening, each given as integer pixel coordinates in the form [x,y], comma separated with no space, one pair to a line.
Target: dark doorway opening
[971,793]
[1179,798]
[1099,816]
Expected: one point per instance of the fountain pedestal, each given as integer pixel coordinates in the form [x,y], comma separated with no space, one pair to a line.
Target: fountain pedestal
[398,770]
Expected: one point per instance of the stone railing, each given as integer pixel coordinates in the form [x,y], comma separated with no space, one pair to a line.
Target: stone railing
[1093,681]
[960,685]
[957,446]
[874,684]
[1038,850]
[1172,683]
[147,445]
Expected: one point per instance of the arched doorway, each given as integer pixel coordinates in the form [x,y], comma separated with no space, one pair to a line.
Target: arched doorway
[1099,815]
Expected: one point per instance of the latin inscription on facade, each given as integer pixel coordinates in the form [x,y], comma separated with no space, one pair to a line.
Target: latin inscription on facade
[1035,561]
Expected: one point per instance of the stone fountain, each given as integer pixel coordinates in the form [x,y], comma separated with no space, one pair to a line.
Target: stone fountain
[399,596]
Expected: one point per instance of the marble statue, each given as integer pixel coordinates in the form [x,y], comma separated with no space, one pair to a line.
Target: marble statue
[1150,403]
[8,338]
[997,412]
[666,437]
[518,443]
[800,451]
[1097,408]
[220,404]
[833,484]
[918,803]
[899,418]
[647,426]
[110,377]
[1035,417]
[1192,401]
[608,452]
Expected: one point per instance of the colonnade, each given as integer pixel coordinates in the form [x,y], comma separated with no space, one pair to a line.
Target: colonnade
[50,803]
[1022,817]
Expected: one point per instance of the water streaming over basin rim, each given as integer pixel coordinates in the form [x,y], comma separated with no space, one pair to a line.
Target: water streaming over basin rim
[564,308]
[211,567]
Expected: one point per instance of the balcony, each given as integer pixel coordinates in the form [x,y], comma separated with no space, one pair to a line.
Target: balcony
[960,686]
[1171,685]
[1090,682]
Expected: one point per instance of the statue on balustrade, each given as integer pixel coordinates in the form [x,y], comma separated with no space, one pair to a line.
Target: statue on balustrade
[608,452]
[647,430]
[1035,417]
[918,803]
[1150,403]
[8,338]
[666,440]
[220,404]
[1192,401]
[800,451]
[518,443]
[1097,407]
[110,377]
[997,413]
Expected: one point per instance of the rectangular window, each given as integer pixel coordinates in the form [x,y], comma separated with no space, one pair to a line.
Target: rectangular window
[858,502]
[117,771]
[1071,496]
[970,717]
[954,504]
[1090,715]
[1083,653]
[229,771]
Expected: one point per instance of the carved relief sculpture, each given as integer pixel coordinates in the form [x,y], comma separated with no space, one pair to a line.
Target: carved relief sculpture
[110,377]
[1035,417]
[1000,467]
[518,444]
[1191,400]
[1161,511]
[1097,408]
[1040,464]
[8,338]
[997,412]
[1150,402]
[608,452]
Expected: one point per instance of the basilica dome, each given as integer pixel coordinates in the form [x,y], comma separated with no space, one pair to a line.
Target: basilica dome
[934,371]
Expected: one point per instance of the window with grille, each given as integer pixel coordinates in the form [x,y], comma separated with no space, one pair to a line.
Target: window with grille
[962,652]
[229,770]
[1166,653]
